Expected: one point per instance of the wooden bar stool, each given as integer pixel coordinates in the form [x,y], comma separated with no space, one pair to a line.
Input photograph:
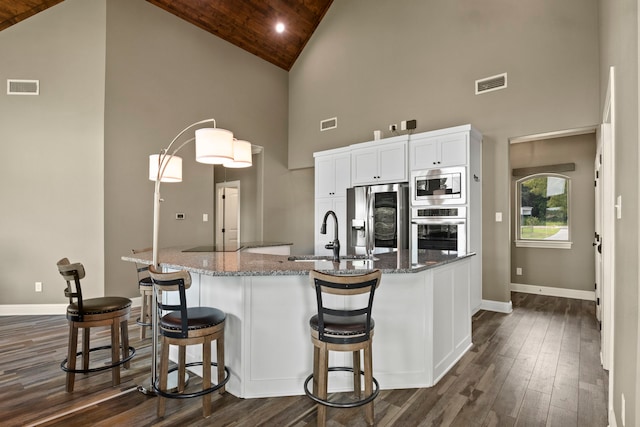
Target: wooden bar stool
[182,326]
[146,293]
[88,313]
[336,328]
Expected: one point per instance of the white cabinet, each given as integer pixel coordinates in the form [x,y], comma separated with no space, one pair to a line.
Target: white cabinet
[380,163]
[439,151]
[332,178]
[332,174]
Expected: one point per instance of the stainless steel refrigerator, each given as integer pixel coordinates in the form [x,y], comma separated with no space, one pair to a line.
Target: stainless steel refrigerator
[377,219]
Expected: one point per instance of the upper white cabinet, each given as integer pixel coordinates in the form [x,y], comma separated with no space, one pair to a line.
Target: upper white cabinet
[377,163]
[332,178]
[428,152]
[332,174]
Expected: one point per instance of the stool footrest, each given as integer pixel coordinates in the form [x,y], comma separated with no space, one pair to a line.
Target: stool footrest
[141,323]
[330,404]
[178,395]
[63,365]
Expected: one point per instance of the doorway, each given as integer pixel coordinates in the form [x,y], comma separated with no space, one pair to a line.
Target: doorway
[228,215]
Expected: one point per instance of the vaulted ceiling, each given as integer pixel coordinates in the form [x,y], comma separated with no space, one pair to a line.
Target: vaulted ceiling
[248,24]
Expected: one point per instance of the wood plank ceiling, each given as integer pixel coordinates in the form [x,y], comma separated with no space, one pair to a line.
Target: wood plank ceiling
[248,24]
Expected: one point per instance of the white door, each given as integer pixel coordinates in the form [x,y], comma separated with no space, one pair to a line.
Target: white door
[228,214]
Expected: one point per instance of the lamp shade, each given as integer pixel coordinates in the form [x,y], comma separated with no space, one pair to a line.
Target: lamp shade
[172,172]
[241,155]
[214,146]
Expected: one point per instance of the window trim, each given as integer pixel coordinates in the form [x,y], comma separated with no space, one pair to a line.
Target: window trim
[542,244]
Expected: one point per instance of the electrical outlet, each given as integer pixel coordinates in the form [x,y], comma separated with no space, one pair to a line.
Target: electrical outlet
[518,271]
[498,216]
[38,286]
[393,128]
[179,215]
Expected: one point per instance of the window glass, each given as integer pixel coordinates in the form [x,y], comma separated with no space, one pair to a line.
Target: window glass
[544,208]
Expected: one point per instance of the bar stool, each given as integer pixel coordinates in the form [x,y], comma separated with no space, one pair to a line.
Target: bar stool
[183,326]
[343,329]
[88,313]
[146,293]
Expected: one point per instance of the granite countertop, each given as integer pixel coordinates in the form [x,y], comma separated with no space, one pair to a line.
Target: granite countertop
[251,264]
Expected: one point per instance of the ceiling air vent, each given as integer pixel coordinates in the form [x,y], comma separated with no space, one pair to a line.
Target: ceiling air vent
[23,87]
[491,83]
[327,124]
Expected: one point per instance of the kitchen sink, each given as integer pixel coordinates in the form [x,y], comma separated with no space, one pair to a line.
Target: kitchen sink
[310,258]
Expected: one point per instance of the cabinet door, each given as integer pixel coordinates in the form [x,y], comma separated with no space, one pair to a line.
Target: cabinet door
[342,174]
[325,176]
[392,161]
[453,149]
[424,153]
[364,166]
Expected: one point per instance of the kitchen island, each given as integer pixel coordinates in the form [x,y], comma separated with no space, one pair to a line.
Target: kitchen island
[422,313]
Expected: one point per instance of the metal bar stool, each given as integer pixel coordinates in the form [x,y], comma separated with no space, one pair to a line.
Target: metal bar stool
[343,329]
[146,293]
[88,313]
[182,326]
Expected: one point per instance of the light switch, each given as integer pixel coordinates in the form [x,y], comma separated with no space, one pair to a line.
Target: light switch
[498,216]
[205,217]
[618,207]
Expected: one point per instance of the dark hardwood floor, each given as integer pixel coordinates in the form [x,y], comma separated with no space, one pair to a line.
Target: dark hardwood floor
[538,366]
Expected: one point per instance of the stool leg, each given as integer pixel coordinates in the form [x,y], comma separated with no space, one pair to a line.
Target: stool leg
[316,375]
[163,370]
[322,384]
[124,333]
[206,375]
[182,361]
[115,351]
[356,373]
[71,356]
[143,313]
[220,360]
[85,348]
[368,382]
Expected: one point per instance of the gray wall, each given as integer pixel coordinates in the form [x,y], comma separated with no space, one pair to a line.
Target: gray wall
[376,62]
[162,75]
[560,268]
[51,179]
[619,48]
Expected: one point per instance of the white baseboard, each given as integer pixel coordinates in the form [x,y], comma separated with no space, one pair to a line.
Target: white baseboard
[43,309]
[612,419]
[554,292]
[498,306]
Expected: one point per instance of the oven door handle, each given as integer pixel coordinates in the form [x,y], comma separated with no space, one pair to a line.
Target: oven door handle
[441,221]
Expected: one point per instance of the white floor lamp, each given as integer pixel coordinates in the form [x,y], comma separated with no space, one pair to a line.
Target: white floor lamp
[213,146]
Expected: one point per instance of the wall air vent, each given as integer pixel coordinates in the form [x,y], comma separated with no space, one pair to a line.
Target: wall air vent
[327,124]
[23,87]
[492,83]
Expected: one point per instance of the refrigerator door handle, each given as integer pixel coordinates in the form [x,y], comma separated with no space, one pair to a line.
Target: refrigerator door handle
[370,223]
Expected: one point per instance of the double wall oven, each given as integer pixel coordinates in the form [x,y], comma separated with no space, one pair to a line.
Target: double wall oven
[439,212]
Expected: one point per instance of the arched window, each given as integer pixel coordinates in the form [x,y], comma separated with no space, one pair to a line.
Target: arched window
[543,213]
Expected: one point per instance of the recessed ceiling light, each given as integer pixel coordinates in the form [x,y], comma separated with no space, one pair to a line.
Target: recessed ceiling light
[280,27]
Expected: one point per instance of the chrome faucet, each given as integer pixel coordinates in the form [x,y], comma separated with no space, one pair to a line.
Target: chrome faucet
[335,245]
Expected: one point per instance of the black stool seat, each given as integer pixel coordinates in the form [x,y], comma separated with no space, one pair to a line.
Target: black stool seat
[197,318]
[342,326]
[94,306]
